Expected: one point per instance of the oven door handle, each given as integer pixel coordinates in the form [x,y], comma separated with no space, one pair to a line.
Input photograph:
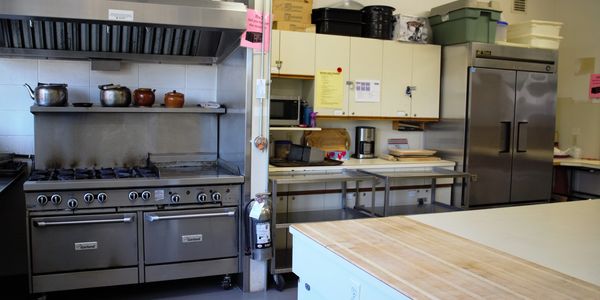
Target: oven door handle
[56,223]
[152,218]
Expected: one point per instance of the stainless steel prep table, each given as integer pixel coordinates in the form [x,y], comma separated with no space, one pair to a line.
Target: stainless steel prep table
[281,262]
[433,175]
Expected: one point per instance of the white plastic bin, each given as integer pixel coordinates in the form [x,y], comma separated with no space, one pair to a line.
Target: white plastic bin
[535,27]
[537,41]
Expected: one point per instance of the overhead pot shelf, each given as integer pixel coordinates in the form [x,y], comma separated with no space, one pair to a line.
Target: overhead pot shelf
[170,31]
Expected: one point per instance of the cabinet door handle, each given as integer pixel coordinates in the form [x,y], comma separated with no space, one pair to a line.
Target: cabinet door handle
[522,136]
[505,129]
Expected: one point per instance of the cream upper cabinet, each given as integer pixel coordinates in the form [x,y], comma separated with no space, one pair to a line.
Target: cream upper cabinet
[397,76]
[293,53]
[426,80]
[332,54]
[413,67]
[365,68]
[275,52]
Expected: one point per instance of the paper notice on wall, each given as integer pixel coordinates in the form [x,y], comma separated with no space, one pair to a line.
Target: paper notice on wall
[256,35]
[329,87]
[595,86]
[367,90]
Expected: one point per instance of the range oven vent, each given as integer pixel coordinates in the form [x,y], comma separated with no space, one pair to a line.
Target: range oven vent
[185,33]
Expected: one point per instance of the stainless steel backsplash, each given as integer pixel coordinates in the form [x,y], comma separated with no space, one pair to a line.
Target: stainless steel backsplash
[84,140]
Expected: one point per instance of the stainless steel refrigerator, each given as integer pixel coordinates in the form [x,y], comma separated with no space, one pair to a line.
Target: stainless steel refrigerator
[497,120]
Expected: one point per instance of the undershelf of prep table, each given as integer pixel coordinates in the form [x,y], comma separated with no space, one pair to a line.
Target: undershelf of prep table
[284,220]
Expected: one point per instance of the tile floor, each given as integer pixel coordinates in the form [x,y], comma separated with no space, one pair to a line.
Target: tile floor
[207,288]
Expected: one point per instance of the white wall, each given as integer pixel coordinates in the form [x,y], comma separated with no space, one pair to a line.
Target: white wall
[578,118]
[198,83]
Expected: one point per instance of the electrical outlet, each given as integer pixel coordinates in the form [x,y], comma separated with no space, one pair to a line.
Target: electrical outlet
[354,290]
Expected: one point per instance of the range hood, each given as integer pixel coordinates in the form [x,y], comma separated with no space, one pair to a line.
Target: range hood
[172,31]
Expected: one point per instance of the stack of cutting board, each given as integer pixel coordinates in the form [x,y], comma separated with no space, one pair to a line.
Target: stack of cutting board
[410,155]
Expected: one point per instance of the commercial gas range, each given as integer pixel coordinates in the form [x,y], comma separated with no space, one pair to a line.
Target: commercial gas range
[110,226]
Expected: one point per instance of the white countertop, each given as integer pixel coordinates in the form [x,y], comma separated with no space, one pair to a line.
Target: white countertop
[561,236]
[573,162]
[374,163]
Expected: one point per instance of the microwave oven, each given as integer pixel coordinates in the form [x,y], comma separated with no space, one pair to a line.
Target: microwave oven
[285,111]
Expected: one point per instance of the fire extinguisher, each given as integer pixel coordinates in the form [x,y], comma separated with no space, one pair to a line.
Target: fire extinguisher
[258,221]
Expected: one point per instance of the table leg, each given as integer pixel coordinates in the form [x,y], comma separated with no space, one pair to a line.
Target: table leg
[386,197]
[433,189]
[344,193]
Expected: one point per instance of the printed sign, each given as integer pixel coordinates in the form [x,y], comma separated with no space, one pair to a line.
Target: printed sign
[367,90]
[595,86]
[255,35]
[329,90]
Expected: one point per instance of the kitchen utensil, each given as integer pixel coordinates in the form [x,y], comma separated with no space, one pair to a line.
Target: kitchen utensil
[174,99]
[143,97]
[49,94]
[83,104]
[338,155]
[114,95]
[282,149]
[305,154]
[364,142]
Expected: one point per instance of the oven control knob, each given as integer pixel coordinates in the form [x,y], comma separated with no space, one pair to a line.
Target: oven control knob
[102,197]
[175,198]
[42,199]
[72,203]
[146,195]
[133,195]
[88,197]
[216,197]
[202,197]
[56,199]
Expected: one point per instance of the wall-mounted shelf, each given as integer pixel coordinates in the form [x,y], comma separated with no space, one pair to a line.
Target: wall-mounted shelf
[294,129]
[378,118]
[129,109]
[289,76]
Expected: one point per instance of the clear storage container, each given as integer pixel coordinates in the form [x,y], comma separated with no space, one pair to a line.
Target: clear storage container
[535,27]
[501,28]
[537,41]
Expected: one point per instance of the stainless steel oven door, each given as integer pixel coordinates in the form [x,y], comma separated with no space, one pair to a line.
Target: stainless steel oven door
[73,243]
[187,235]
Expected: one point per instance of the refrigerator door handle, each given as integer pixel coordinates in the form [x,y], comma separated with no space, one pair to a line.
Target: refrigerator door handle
[505,129]
[522,136]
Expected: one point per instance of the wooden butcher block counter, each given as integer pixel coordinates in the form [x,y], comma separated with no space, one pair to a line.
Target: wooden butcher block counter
[399,258]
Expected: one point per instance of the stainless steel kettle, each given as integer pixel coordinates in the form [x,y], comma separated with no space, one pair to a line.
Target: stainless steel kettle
[114,95]
[49,94]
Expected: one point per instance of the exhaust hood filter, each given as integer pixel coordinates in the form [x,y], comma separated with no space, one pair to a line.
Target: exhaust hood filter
[95,40]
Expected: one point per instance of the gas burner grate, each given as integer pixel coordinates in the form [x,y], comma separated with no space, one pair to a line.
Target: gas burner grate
[102,173]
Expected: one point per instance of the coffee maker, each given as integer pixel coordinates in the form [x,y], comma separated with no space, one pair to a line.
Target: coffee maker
[364,142]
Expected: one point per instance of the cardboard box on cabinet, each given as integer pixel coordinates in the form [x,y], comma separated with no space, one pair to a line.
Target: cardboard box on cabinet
[292,11]
[292,26]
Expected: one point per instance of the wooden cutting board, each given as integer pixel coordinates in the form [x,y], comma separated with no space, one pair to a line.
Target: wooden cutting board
[409,159]
[411,152]
[423,262]
[328,139]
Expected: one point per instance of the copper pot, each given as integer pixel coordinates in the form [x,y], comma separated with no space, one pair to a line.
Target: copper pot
[174,99]
[143,97]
